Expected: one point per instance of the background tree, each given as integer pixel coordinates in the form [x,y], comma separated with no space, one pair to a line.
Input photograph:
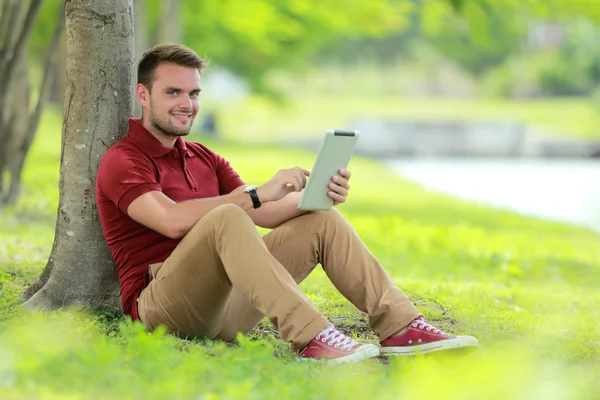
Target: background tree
[16,24]
[170,27]
[19,118]
[98,103]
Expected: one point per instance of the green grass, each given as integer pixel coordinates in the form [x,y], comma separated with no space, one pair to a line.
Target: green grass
[525,287]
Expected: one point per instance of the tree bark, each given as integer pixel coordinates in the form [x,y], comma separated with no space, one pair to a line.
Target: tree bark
[98,102]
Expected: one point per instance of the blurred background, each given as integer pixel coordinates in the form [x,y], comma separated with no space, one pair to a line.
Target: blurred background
[496,101]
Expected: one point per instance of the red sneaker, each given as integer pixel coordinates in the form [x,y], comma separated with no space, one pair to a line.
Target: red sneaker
[336,348]
[423,338]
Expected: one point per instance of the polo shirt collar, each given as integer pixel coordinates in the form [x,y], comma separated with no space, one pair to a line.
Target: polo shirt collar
[150,144]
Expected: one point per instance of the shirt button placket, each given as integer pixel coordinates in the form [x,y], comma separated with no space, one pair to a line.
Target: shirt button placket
[188,176]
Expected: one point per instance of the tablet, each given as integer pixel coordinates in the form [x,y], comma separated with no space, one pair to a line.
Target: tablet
[335,152]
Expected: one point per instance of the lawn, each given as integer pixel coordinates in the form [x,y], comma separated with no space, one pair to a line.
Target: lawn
[528,289]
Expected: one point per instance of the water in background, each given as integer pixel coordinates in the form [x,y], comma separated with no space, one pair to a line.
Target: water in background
[561,190]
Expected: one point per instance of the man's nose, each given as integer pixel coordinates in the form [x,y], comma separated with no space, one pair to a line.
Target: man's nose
[186,103]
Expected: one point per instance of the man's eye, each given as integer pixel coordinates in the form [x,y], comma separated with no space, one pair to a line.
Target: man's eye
[195,95]
[172,93]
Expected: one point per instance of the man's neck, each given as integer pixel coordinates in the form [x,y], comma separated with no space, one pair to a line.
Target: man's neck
[165,140]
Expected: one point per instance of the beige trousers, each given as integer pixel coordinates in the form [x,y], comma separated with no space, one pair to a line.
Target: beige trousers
[223,278]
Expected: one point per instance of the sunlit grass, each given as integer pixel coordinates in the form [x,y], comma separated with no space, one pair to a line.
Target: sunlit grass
[526,288]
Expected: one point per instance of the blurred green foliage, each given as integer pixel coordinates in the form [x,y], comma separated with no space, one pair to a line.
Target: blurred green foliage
[253,37]
[43,29]
[476,40]
[513,49]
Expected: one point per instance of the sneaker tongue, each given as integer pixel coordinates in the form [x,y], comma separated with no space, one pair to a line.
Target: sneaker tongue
[327,331]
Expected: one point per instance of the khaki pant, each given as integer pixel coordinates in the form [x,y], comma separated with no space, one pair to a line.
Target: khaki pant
[223,278]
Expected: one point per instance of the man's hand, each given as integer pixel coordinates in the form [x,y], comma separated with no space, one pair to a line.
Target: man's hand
[339,187]
[283,183]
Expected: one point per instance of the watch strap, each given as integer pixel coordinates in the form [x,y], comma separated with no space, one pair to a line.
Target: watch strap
[254,197]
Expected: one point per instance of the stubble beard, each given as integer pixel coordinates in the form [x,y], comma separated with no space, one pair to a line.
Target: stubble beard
[167,128]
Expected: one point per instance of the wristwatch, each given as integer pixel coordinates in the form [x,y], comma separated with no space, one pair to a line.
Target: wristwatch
[251,190]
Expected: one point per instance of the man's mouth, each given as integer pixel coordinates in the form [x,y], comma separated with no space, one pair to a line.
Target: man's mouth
[182,117]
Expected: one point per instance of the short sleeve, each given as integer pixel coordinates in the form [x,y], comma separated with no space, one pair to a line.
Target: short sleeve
[228,178]
[124,175]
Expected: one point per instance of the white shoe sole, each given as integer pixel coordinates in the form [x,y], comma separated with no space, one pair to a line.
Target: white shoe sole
[449,344]
[364,353]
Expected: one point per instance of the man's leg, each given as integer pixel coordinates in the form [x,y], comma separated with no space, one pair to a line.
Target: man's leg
[327,238]
[222,251]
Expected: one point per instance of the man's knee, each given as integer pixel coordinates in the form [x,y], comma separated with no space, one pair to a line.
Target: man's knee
[226,212]
[330,217]
[227,215]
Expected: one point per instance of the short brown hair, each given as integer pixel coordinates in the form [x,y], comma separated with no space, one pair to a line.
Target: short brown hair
[166,53]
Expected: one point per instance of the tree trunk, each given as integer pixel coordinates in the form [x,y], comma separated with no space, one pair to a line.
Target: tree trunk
[14,46]
[16,117]
[59,84]
[170,22]
[16,159]
[98,103]
[16,25]
[142,40]
[11,10]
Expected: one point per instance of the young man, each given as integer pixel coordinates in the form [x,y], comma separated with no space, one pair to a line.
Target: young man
[181,226]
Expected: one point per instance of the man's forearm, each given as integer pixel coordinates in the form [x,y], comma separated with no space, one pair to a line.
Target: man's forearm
[269,215]
[275,213]
[186,214]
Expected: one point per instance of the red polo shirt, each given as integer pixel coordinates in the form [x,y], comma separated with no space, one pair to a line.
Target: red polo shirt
[138,164]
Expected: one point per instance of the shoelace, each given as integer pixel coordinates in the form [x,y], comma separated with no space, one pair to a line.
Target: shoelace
[336,339]
[422,324]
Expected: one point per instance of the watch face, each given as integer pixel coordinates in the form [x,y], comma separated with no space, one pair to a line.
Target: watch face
[249,188]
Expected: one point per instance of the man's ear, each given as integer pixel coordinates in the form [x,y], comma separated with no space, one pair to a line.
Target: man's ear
[143,94]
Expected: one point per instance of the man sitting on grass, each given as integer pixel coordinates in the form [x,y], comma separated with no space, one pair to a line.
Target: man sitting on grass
[181,226]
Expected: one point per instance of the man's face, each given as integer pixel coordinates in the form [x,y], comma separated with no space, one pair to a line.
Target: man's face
[173,103]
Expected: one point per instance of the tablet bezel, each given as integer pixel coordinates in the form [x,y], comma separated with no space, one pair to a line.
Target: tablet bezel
[335,153]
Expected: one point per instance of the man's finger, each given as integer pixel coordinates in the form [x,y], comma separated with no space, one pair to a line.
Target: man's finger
[336,197]
[338,189]
[290,188]
[345,173]
[301,171]
[302,179]
[296,184]
[341,182]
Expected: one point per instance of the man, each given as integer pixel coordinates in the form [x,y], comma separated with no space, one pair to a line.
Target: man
[181,226]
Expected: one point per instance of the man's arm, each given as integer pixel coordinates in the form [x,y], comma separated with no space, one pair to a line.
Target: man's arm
[160,213]
[273,214]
